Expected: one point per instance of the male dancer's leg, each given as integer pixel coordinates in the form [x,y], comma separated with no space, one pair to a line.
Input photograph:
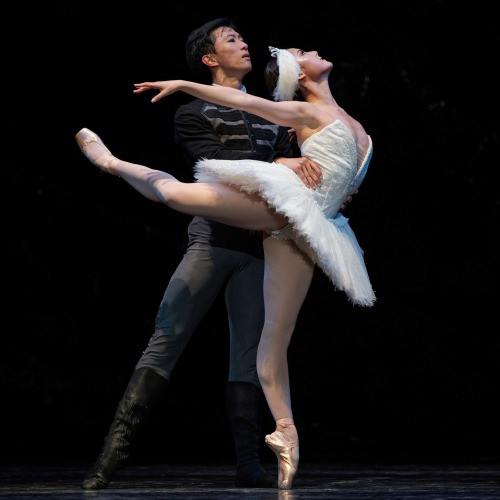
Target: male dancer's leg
[191,291]
[189,294]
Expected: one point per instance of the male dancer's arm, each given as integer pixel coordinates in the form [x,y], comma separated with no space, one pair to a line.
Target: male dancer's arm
[197,138]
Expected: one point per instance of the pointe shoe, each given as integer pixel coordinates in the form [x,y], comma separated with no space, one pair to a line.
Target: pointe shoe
[86,137]
[288,458]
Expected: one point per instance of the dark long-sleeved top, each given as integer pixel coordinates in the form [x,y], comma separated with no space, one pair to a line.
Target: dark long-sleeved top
[206,130]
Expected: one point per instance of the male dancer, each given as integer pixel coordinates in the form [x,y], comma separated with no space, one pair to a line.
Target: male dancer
[218,257]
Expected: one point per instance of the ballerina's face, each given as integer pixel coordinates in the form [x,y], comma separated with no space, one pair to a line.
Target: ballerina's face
[310,62]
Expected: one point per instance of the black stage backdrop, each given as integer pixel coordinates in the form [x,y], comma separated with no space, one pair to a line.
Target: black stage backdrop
[87,258]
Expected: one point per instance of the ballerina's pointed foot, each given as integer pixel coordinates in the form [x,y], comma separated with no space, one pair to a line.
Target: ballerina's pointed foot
[288,458]
[94,149]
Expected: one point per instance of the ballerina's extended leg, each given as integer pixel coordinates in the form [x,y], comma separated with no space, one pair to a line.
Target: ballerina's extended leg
[143,179]
[94,149]
[219,202]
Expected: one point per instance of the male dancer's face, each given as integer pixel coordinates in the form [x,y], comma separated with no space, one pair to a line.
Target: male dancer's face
[231,53]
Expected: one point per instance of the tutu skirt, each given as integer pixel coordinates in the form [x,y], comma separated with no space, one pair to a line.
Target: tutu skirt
[329,242]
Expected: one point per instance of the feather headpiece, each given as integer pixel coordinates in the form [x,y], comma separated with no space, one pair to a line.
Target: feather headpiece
[288,79]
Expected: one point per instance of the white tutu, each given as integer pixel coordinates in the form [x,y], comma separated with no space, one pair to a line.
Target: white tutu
[319,230]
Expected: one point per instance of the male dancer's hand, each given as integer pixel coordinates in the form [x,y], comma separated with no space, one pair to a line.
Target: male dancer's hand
[310,174]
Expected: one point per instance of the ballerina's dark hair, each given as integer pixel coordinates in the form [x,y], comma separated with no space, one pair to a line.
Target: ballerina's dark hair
[271,74]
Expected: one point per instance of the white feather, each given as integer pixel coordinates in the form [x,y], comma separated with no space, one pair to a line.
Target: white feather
[288,79]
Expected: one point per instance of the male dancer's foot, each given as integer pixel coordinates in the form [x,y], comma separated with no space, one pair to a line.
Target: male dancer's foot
[284,441]
[94,149]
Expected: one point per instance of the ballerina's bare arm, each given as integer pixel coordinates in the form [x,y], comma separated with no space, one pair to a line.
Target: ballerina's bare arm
[294,114]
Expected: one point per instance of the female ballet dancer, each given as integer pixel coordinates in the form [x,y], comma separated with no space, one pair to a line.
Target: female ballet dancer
[301,226]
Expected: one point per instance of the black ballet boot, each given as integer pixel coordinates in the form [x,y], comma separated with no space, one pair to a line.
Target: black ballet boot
[145,389]
[244,409]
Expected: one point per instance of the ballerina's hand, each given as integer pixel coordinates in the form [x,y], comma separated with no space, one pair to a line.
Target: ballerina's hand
[165,88]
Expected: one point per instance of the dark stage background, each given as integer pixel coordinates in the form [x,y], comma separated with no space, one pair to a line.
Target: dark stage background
[87,259]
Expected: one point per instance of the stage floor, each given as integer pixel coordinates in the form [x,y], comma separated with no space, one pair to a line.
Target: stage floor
[314,481]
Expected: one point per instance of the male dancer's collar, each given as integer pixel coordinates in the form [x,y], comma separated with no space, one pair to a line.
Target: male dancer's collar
[243,88]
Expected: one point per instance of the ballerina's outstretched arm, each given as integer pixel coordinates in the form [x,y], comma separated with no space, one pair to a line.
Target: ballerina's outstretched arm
[293,114]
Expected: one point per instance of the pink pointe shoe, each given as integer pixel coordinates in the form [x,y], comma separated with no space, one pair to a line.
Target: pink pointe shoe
[98,156]
[288,458]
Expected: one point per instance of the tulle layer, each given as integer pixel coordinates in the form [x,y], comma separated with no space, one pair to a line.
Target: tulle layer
[330,242]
